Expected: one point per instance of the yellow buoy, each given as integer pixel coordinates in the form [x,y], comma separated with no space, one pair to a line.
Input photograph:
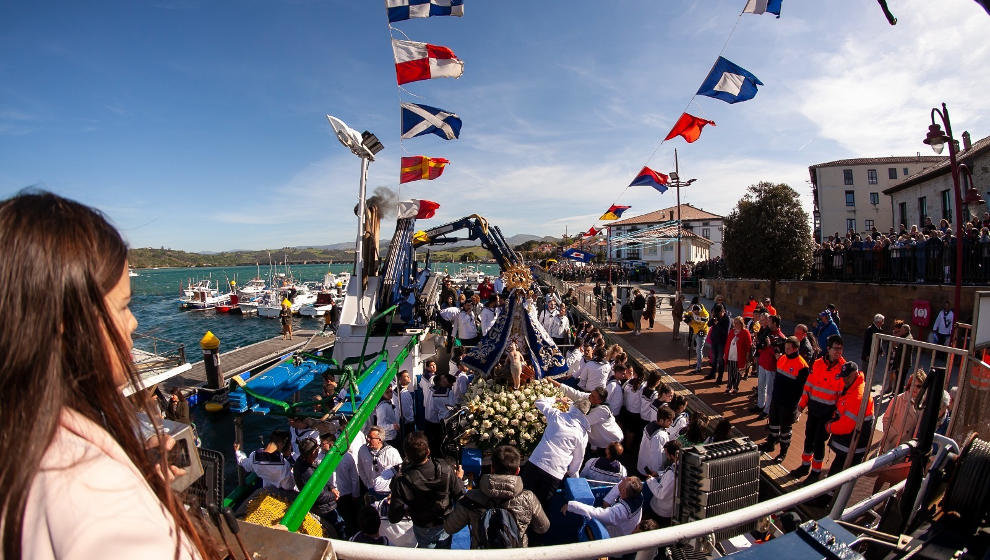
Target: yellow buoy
[209,341]
[213,406]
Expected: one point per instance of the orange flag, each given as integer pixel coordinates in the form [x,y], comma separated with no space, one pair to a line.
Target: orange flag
[689,127]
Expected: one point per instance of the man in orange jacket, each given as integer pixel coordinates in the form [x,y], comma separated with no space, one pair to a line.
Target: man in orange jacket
[821,392]
[846,414]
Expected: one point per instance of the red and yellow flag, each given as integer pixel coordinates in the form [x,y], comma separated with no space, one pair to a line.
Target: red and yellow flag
[421,167]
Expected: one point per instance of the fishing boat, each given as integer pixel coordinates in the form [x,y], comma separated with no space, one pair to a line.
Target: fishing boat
[202,295]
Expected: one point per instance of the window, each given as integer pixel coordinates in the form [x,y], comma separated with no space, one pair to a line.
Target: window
[668,248]
[847,176]
[902,213]
[851,224]
[922,209]
[618,253]
[651,250]
[946,205]
[871,176]
[891,172]
[868,224]
[706,233]
[874,198]
[850,198]
[904,172]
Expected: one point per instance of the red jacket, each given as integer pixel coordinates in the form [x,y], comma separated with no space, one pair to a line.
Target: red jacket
[743,345]
[848,405]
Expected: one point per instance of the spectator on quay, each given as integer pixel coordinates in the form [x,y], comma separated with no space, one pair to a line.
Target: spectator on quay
[638,306]
[900,420]
[820,395]
[655,436]
[771,310]
[501,489]
[375,456]
[560,451]
[651,308]
[769,342]
[623,507]
[663,485]
[425,490]
[697,320]
[847,410]
[749,309]
[678,315]
[737,349]
[876,327]
[808,347]
[270,463]
[833,312]
[607,468]
[826,328]
[942,327]
[900,359]
[719,326]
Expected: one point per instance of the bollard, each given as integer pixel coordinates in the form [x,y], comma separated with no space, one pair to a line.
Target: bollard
[211,359]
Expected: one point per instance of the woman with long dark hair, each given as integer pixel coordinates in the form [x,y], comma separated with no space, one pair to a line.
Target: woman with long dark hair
[77,479]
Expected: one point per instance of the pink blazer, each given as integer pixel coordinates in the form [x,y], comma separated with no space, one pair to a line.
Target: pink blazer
[88,500]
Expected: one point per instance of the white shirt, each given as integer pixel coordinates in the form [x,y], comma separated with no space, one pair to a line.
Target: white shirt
[602,470]
[618,519]
[448,313]
[615,395]
[438,404]
[345,477]
[407,406]
[593,375]
[733,353]
[574,360]
[943,322]
[460,387]
[662,487]
[464,326]
[630,398]
[499,285]
[386,416]
[651,454]
[604,428]
[559,326]
[427,387]
[488,316]
[680,422]
[561,450]
[368,470]
[647,398]
[296,435]
[273,473]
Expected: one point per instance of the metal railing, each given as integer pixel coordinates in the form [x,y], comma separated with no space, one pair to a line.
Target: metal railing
[153,353]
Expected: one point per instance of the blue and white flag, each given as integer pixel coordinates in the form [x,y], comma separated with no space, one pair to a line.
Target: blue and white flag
[729,82]
[576,255]
[418,120]
[763,6]
[399,10]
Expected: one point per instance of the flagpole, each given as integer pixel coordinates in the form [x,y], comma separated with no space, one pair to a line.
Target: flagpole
[677,185]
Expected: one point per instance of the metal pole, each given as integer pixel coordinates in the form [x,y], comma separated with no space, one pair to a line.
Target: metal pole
[677,185]
[954,167]
[358,257]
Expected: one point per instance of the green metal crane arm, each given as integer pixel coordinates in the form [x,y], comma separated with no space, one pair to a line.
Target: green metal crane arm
[307,496]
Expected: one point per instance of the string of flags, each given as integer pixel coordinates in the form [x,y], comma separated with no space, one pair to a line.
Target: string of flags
[726,81]
[416,61]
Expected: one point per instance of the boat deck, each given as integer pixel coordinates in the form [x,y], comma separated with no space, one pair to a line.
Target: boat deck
[257,355]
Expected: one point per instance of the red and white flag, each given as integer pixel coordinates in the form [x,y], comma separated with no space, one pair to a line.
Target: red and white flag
[419,209]
[422,61]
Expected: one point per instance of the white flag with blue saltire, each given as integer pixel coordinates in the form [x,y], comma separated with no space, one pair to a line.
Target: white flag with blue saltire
[418,120]
[763,6]
[399,10]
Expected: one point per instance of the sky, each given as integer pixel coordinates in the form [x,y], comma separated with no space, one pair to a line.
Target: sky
[199,125]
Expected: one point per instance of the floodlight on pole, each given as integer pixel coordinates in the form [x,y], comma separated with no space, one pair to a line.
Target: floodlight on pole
[364,145]
[675,181]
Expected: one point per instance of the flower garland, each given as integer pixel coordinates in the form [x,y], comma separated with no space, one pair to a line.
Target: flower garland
[503,416]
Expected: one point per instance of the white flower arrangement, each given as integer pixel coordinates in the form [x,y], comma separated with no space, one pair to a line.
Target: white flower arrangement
[495,407]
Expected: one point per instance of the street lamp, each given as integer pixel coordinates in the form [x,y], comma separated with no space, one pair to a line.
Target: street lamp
[677,184]
[364,145]
[937,140]
[973,201]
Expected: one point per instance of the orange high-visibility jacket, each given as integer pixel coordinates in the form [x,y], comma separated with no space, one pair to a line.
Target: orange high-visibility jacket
[823,385]
[848,405]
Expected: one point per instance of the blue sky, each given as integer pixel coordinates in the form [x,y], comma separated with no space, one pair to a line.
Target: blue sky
[200,125]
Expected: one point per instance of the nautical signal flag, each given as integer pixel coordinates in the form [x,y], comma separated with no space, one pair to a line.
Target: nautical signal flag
[421,167]
[614,212]
[650,178]
[419,209]
[399,10]
[418,120]
[729,82]
[591,232]
[578,255]
[763,6]
[689,127]
[422,61]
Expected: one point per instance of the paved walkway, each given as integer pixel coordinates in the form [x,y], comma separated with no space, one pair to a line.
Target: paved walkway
[673,357]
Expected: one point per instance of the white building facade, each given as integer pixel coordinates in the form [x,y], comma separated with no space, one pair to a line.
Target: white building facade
[652,237]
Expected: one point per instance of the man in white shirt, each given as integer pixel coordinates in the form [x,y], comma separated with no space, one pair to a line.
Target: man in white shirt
[655,436]
[375,456]
[489,314]
[441,396]
[942,327]
[623,508]
[270,462]
[560,451]
[426,386]
[406,404]
[465,329]
[604,429]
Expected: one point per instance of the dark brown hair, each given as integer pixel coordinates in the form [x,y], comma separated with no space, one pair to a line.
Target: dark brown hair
[61,258]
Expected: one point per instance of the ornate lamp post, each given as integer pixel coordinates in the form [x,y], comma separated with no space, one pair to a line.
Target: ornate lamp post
[937,140]
[677,184]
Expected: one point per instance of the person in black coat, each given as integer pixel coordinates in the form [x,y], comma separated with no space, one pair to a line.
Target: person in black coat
[719,324]
[875,327]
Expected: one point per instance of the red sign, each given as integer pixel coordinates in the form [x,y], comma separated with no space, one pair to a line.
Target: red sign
[922,314]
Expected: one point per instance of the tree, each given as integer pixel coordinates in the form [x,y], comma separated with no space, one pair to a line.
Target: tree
[469,257]
[768,236]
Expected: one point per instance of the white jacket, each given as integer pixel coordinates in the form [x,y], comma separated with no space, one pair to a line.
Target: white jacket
[561,450]
[575,359]
[386,416]
[662,487]
[273,472]
[488,316]
[616,398]
[630,398]
[407,406]
[680,422]
[88,500]
[604,428]
[464,326]
[369,469]
[593,375]
[617,518]
[651,454]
